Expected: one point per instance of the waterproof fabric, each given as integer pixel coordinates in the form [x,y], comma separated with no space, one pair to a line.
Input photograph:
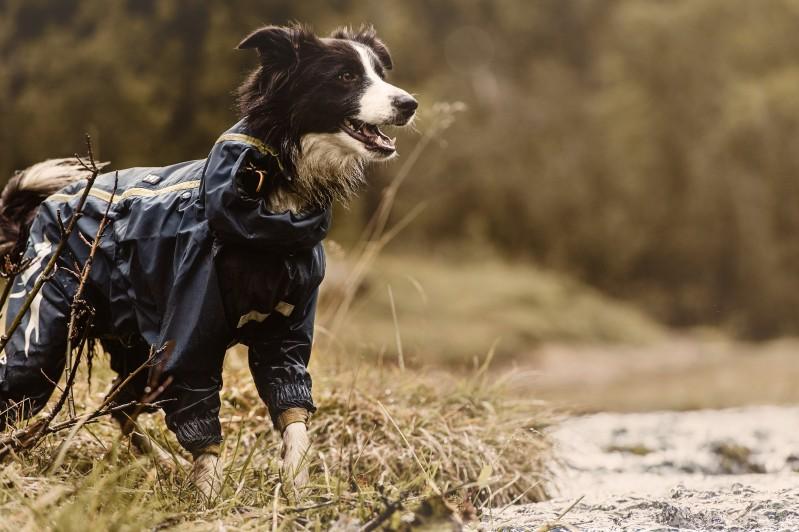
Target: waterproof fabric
[191,260]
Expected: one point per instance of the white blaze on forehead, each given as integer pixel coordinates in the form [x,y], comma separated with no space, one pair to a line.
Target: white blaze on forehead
[377,101]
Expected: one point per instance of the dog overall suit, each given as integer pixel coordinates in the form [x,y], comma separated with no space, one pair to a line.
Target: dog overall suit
[193,260]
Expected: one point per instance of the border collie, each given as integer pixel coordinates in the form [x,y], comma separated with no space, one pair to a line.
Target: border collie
[321,103]
[204,254]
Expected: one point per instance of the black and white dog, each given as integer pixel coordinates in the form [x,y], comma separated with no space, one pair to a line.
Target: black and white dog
[204,254]
[322,102]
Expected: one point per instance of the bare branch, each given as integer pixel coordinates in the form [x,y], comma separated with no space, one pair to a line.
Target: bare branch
[51,264]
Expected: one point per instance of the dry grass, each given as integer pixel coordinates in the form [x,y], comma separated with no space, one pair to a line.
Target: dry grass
[381,435]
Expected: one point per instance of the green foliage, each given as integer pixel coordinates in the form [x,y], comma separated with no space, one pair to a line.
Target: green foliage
[645,146]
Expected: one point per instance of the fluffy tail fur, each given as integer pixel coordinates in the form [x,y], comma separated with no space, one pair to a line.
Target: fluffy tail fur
[24,192]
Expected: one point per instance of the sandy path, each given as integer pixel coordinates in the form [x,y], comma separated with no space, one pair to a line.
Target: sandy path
[733,469]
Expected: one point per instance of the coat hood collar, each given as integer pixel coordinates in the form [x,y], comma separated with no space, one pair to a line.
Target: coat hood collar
[246,220]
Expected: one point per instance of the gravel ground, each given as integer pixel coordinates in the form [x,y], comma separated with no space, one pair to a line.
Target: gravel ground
[735,469]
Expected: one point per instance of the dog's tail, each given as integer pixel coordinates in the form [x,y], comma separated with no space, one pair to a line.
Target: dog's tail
[23,194]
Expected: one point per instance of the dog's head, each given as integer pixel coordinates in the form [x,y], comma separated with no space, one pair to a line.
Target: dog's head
[321,103]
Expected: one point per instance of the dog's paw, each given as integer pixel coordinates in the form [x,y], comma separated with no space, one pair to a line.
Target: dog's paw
[294,469]
[206,475]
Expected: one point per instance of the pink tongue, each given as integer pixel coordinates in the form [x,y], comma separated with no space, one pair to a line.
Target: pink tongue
[377,137]
[380,138]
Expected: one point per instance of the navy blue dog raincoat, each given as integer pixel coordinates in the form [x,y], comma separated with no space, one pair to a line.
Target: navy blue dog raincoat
[189,259]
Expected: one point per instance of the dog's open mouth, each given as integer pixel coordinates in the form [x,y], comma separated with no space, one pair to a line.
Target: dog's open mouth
[369,135]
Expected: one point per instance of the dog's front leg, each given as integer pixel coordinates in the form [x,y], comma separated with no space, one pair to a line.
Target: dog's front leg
[192,413]
[296,447]
[207,471]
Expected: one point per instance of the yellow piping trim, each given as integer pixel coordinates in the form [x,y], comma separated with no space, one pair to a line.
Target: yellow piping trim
[135,192]
[254,142]
[138,192]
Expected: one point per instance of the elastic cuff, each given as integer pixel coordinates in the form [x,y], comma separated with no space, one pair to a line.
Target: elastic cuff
[213,449]
[284,396]
[292,415]
[194,435]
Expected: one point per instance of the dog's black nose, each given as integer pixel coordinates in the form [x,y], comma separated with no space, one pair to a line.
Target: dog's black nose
[406,104]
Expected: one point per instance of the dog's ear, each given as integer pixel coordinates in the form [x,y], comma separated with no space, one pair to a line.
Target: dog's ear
[366,35]
[279,44]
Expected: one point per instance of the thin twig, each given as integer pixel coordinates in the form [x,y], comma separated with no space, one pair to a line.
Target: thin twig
[20,440]
[397,335]
[33,434]
[137,406]
[6,292]
[546,527]
[569,509]
[275,501]
[75,311]
[84,277]
[51,264]
[73,372]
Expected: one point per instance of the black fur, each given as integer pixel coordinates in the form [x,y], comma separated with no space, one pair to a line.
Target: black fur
[298,86]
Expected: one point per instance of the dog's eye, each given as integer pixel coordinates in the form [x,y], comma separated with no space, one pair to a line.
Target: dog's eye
[347,76]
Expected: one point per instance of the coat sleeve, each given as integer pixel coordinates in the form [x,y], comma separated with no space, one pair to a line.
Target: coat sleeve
[279,362]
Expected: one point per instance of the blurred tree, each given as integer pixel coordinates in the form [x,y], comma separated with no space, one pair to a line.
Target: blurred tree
[644,146]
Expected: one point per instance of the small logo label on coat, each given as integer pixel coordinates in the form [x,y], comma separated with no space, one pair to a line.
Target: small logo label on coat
[152,179]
